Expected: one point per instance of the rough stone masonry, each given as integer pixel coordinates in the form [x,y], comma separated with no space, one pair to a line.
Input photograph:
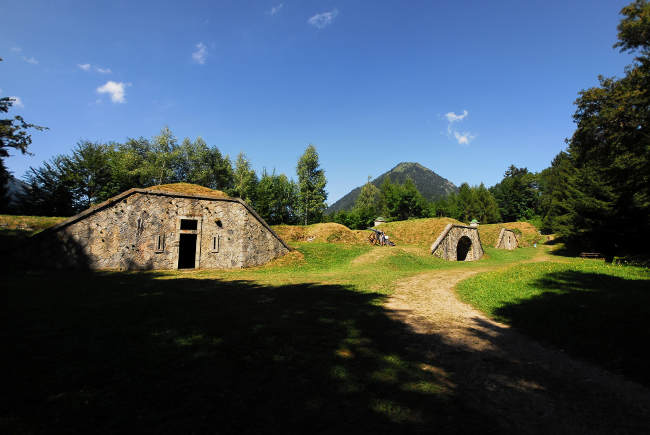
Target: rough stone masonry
[458,243]
[151,229]
[507,240]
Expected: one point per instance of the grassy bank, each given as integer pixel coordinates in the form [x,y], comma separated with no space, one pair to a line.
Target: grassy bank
[589,309]
[28,223]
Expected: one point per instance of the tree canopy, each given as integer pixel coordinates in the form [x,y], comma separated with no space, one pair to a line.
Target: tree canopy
[599,190]
[14,133]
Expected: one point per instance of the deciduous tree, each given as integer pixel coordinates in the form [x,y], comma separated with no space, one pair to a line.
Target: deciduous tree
[244,179]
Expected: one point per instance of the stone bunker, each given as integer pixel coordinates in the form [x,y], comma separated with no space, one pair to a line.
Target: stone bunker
[161,228]
[507,240]
[458,243]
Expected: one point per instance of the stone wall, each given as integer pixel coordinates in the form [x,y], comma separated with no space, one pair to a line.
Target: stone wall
[455,239]
[507,240]
[142,230]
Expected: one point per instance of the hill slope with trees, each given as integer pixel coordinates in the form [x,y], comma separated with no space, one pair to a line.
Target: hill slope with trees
[431,185]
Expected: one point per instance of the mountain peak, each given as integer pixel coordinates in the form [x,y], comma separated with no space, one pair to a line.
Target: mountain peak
[431,185]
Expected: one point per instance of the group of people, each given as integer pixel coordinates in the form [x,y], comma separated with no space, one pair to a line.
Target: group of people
[380,238]
[384,239]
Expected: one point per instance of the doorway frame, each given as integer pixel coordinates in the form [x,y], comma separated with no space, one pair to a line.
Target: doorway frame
[197,231]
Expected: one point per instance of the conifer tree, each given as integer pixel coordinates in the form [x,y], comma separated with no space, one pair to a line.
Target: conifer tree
[610,149]
[311,182]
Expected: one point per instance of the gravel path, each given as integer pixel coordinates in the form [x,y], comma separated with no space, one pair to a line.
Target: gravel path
[497,371]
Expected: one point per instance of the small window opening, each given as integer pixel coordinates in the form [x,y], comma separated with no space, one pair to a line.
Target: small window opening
[160,243]
[189,224]
[219,224]
[215,243]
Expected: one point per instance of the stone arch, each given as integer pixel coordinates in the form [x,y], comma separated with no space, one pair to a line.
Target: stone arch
[458,243]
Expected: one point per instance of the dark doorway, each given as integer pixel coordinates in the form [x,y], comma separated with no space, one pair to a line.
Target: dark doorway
[189,224]
[464,245]
[187,251]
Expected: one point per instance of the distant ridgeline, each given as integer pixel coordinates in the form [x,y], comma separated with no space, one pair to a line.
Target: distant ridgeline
[431,185]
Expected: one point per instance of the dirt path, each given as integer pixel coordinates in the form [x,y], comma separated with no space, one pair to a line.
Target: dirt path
[528,388]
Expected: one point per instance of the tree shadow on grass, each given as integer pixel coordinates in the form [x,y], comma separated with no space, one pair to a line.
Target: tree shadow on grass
[153,353]
[598,317]
[158,353]
[115,352]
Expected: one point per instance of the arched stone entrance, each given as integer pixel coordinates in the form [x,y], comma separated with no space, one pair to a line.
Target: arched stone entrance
[463,248]
[458,243]
[507,240]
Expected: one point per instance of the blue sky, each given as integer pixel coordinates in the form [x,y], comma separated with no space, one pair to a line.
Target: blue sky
[465,88]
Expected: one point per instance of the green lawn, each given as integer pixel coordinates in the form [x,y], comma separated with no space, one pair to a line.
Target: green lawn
[587,308]
[332,264]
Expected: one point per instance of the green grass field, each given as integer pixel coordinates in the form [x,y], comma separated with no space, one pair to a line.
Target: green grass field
[587,308]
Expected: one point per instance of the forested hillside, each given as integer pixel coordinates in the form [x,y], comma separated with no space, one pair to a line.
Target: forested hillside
[431,185]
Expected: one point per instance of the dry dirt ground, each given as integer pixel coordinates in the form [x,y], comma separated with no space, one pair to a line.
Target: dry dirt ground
[526,386]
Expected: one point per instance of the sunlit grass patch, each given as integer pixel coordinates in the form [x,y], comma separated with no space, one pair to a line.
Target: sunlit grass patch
[28,223]
[395,411]
[588,308]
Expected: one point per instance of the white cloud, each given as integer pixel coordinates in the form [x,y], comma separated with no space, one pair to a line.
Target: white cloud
[31,60]
[16,49]
[275,9]
[324,19]
[452,117]
[87,66]
[464,138]
[200,54]
[115,89]
[17,101]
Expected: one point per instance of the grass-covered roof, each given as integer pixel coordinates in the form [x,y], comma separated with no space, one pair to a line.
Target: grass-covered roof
[189,189]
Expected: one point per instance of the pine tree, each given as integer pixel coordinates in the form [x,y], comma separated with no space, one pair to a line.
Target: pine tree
[311,182]
[487,208]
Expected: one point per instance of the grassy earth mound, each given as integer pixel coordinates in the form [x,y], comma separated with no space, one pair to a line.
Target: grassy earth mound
[414,232]
[420,232]
[327,232]
[526,233]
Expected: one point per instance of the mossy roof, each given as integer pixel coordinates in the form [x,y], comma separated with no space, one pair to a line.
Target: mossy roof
[188,189]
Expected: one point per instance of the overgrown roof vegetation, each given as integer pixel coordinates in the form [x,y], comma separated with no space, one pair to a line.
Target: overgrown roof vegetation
[188,188]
